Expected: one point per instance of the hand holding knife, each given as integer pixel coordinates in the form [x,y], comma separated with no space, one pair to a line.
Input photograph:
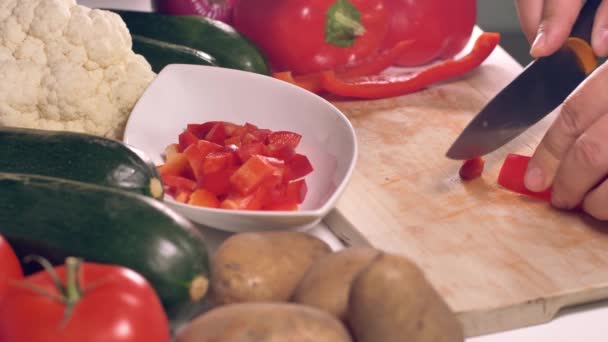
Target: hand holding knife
[573,156]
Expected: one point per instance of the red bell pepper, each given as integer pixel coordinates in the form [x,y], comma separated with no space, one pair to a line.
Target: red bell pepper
[252,173]
[441,28]
[204,198]
[298,167]
[381,86]
[185,139]
[471,169]
[512,175]
[311,36]
[370,66]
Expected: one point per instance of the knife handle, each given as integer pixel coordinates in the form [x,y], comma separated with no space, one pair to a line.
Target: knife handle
[584,23]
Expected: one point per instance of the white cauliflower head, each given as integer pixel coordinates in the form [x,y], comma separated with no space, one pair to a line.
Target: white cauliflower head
[67,67]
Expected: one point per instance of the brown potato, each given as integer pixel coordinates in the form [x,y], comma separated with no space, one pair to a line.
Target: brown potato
[265,266]
[265,322]
[391,300]
[327,283]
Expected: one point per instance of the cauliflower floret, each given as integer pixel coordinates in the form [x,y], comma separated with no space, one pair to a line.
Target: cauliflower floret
[67,67]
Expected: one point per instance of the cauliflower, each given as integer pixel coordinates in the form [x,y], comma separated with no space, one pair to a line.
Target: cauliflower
[67,67]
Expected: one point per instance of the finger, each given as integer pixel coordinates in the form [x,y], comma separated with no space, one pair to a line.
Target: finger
[558,17]
[599,38]
[579,111]
[595,202]
[529,12]
[584,166]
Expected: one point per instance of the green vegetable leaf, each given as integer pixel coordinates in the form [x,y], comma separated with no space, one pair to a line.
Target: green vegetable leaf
[343,24]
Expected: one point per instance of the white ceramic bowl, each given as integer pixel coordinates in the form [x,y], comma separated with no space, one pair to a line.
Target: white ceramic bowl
[183,94]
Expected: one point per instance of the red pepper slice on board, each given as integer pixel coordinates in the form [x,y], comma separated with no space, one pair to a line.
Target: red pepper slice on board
[471,168]
[373,65]
[382,86]
[512,174]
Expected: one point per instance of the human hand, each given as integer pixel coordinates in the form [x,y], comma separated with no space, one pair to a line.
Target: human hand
[573,155]
[547,24]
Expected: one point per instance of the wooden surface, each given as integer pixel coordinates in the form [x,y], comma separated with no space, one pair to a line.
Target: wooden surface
[500,260]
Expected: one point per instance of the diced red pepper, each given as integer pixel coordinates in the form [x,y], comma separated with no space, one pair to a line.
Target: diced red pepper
[204,198]
[186,138]
[183,196]
[177,166]
[250,127]
[171,151]
[512,175]
[201,130]
[218,182]
[205,147]
[283,152]
[230,128]
[234,140]
[298,167]
[217,134]
[281,138]
[180,183]
[382,86]
[246,151]
[217,161]
[195,160]
[296,191]
[261,134]
[472,168]
[253,201]
[253,172]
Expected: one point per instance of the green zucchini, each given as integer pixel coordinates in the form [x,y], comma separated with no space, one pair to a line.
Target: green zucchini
[80,157]
[220,40]
[56,218]
[160,54]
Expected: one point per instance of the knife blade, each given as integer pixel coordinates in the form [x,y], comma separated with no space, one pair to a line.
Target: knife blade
[542,86]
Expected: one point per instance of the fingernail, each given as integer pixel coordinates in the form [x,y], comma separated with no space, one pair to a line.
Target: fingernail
[538,44]
[534,180]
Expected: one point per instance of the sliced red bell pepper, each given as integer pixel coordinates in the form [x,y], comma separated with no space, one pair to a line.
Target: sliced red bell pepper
[382,86]
[217,134]
[185,139]
[253,172]
[204,198]
[246,151]
[234,140]
[284,138]
[177,166]
[512,175]
[471,168]
[253,201]
[178,182]
[217,161]
[284,206]
[183,196]
[298,167]
[201,130]
[171,151]
[372,65]
[283,152]
[296,191]
[218,182]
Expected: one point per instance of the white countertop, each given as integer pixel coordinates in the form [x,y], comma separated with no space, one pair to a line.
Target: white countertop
[584,323]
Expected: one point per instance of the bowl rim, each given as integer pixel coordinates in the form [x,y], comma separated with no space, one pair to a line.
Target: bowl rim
[329,203]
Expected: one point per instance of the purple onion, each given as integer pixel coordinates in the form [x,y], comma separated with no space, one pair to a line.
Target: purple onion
[215,9]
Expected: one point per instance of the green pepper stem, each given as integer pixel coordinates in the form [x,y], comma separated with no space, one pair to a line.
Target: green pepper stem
[73,291]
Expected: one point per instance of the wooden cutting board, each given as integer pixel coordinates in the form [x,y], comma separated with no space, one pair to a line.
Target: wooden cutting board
[500,260]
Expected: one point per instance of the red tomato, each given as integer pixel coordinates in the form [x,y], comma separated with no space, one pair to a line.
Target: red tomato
[306,36]
[439,28]
[9,266]
[116,304]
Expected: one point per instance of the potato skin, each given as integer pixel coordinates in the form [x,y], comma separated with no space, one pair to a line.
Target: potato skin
[391,300]
[327,283]
[267,322]
[262,266]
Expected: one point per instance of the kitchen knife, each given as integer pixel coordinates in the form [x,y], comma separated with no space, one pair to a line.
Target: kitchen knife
[539,89]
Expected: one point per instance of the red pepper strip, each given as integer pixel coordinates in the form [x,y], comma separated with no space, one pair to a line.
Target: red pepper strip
[371,66]
[512,174]
[383,86]
[310,82]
